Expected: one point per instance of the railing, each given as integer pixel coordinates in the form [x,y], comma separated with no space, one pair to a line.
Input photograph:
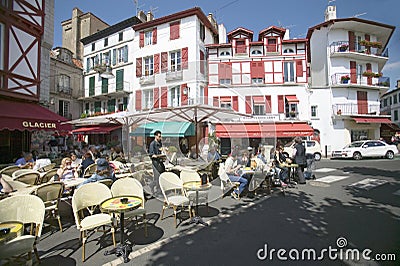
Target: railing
[144,80]
[112,88]
[64,89]
[341,78]
[353,108]
[343,47]
[174,75]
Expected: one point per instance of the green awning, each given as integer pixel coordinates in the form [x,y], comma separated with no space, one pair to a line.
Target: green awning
[168,129]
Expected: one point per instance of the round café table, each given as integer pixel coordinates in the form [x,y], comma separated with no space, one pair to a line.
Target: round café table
[114,205]
[16,229]
[197,186]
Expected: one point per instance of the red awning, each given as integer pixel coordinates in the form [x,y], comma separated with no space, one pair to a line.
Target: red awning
[259,99]
[95,130]
[256,130]
[378,120]
[291,98]
[29,116]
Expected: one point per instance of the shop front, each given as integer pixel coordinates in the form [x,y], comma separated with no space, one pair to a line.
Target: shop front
[27,127]
[258,134]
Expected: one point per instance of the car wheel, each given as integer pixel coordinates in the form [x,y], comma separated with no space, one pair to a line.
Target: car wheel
[317,156]
[390,155]
[357,156]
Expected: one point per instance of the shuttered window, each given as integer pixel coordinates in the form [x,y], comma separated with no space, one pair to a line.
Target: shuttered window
[91,86]
[138,67]
[104,85]
[164,62]
[138,100]
[185,57]
[119,80]
[174,29]
[156,63]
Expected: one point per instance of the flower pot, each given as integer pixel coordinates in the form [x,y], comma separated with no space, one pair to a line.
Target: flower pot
[345,81]
[342,49]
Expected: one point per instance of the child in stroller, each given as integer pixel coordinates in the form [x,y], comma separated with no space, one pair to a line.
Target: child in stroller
[308,173]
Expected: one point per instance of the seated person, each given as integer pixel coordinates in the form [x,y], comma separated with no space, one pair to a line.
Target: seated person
[26,161]
[87,160]
[232,168]
[103,171]
[192,154]
[213,155]
[261,155]
[245,160]
[280,160]
[66,171]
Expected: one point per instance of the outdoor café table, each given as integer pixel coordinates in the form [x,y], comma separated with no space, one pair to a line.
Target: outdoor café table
[197,186]
[16,229]
[114,205]
[292,172]
[73,182]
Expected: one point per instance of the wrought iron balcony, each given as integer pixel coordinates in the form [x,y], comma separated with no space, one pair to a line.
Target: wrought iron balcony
[345,79]
[354,109]
[343,47]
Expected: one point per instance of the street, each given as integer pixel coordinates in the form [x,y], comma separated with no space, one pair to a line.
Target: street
[357,202]
[350,211]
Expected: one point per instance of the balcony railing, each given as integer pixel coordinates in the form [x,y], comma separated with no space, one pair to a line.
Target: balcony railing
[64,89]
[353,109]
[174,75]
[343,47]
[345,79]
[144,80]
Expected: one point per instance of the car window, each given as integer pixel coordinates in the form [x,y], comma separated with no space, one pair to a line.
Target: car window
[378,144]
[354,145]
[310,143]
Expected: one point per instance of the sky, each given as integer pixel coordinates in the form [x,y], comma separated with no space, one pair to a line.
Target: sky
[255,15]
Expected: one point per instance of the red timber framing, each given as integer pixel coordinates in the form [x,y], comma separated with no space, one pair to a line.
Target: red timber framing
[23,26]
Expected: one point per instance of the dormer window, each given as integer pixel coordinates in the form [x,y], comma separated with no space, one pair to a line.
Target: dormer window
[240,46]
[225,53]
[271,45]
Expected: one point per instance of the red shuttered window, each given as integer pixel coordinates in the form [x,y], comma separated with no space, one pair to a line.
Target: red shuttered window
[138,100]
[141,39]
[353,72]
[156,63]
[174,29]
[257,70]
[156,97]
[155,36]
[164,62]
[164,97]
[138,67]
[281,104]
[185,57]
[299,68]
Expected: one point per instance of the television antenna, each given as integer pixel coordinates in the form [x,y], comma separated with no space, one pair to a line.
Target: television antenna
[331,1]
[137,6]
[224,6]
[359,15]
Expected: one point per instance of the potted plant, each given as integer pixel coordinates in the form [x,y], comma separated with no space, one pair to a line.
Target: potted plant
[378,75]
[368,74]
[376,44]
[345,79]
[343,47]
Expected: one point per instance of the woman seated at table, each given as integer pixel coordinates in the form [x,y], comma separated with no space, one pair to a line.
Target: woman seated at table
[103,171]
[66,171]
[280,162]
[232,170]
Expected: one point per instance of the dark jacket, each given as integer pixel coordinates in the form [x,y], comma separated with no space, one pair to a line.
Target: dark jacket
[300,156]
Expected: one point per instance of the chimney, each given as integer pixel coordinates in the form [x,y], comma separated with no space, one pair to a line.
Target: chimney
[287,34]
[398,84]
[142,16]
[212,20]
[221,33]
[150,16]
[330,13]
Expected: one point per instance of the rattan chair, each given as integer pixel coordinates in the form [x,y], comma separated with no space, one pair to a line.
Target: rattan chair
[47,176]
[84,202]
[50,194]
[131,187]
[27,209]
[28,177]
[90,170]
[9,170]
[46,168]
[193,176]
[174,196]
[22,171]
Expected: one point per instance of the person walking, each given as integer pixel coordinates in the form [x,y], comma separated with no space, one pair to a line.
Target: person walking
[299,157]
[155,149]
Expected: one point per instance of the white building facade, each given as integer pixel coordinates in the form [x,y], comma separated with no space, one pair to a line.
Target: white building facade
[170,66]
[266,78]
[346,58]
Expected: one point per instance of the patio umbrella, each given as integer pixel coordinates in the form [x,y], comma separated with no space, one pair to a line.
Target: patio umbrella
[197,113]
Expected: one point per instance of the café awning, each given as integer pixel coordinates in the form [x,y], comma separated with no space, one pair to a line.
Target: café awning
[15,115]
[263,130]
[167,128]
[291,99]
[95,130]
[376,120]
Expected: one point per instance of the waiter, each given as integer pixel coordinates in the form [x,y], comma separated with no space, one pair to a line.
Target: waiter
[156,159]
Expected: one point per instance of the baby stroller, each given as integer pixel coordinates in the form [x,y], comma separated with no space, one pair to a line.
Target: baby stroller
[274,181]
[308,173]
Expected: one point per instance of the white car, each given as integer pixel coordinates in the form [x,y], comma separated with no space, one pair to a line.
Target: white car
[312,147]
[366,148]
